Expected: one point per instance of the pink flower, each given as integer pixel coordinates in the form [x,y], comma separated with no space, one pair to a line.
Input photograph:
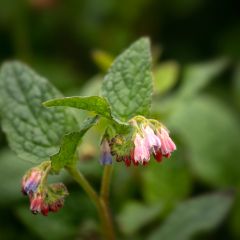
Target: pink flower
[141,150]
[152,141]
[36,203]
[31,181]
[168,146]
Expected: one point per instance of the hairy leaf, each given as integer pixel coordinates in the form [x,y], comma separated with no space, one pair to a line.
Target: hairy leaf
[128,83]
[33,131]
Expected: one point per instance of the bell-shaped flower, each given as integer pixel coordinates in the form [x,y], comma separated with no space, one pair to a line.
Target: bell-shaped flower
[167,144]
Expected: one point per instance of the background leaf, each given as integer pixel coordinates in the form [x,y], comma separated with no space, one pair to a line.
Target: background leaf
[197,76]
[165,76]
[160,182]
[136,215]
[194,216]
[33,131]
[209,131]
[128,83]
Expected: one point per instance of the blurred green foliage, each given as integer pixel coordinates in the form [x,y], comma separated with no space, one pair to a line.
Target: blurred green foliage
[197,95]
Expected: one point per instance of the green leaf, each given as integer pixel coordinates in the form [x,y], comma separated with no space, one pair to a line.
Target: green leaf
[165,76]
[210,132]
[66,156]
[136,215]
[161,181]
[128,83]
[193,217]
[197,76]
[96,104]
[33,131]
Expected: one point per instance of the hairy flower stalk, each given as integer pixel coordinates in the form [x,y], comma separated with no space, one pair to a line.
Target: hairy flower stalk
[149,138]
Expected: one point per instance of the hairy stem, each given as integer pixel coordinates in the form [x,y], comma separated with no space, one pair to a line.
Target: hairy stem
[98,201]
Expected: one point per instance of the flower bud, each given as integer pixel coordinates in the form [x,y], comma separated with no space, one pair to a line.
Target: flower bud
[167,144]
[31,180]
[36,203]
[106,157]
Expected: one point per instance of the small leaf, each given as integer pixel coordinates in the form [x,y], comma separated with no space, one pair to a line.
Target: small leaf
[95,104]
[165,76]
[197,76]
[128,83]
[66,156]
[136,215]
[33,131]
[193,217]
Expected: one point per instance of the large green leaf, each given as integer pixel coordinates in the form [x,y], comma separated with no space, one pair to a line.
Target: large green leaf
[128,83]
[210,133]
[70,142]
[193,217]
[33,131]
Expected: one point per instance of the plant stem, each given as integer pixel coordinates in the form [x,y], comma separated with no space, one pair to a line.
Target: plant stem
[106,179]
[99,202]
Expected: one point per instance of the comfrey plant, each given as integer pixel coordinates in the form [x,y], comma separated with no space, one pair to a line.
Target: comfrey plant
[40,128]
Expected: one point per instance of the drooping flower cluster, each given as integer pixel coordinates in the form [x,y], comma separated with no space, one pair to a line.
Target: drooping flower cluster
[43,198]
[149,137]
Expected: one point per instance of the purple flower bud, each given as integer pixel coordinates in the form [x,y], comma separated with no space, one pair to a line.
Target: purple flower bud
[106,157]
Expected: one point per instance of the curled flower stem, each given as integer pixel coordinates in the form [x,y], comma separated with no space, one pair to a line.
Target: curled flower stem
[99,201]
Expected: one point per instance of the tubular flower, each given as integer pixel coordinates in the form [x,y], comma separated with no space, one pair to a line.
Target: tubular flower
[37,204]
[106,157]
[168,146]
[141,150]
[148,137]
[31,180]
